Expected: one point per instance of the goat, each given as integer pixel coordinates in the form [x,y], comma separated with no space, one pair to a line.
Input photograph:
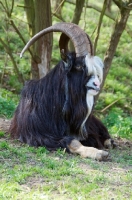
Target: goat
[56,111]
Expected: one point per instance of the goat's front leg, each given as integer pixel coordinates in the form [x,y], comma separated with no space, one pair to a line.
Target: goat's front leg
[87,152]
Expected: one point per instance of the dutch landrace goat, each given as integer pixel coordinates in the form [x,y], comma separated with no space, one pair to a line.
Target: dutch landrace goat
[56,111]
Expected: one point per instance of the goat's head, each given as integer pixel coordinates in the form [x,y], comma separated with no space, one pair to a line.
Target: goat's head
[82,60]
[93,65]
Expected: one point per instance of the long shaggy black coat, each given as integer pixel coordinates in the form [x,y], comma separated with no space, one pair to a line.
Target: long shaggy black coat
[52,109]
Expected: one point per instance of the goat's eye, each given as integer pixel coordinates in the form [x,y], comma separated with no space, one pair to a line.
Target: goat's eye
[79,67]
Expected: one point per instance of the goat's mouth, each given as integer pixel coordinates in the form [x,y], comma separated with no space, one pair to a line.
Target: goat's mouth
[93,88]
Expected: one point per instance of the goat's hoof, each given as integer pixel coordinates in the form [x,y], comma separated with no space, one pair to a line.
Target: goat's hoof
[109,143]
[101,155]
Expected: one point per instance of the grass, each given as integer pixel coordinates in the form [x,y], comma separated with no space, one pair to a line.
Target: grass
[8,103]
[34,173]
[119,124]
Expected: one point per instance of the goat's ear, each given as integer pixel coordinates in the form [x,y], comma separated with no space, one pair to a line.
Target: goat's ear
[63,55]
[67,58]
[79,67]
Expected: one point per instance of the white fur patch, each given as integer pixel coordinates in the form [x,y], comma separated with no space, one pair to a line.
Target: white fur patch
[95,66]
[89,101]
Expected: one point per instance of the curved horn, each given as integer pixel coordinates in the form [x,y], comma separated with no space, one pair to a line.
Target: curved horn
[64,39]
[72,31]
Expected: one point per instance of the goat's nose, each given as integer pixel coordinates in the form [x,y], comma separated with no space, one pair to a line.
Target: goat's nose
[96,83]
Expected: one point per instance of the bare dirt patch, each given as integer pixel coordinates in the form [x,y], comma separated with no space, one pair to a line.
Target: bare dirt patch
[123,143]
[4,124]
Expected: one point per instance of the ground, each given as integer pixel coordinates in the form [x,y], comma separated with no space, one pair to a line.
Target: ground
[4,124]
[28,173]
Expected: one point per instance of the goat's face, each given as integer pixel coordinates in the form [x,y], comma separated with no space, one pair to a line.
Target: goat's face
[93,85]
[89,68]
[94,66]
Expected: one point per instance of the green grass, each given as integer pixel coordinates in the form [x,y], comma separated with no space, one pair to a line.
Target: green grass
[119,125]
[8,103]
[34,173]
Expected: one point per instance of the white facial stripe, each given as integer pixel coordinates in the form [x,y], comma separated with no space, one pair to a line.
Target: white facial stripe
[95,66]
